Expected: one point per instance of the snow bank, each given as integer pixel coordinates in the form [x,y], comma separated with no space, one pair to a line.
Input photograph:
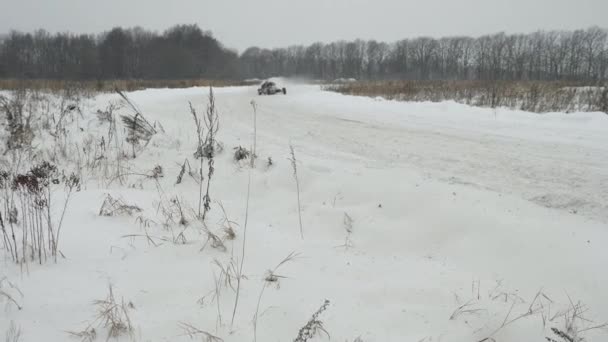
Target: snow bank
[462,219]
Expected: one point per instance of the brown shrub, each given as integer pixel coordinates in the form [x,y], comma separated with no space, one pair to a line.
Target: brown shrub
[110,85]
[533,96]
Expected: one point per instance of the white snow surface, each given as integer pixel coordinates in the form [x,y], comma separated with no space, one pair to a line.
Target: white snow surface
[451,205]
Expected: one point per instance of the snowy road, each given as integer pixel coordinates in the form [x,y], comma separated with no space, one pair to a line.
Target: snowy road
[555,160]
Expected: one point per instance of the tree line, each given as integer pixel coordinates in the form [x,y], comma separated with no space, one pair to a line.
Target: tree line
[554,55]
[185,51]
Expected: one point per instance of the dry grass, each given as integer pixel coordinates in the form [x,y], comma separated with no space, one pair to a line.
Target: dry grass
[182,172]
[138,127]
[212,122]
[10,292]
[207,147]
[227,224]
[241,262]
[255,132]
[347,221]
[533,96]
[241,153]
[214,240]
[116,207]
[294,166]
[574,324]
[114,315]
[270,278]
[314,326]
[87,335]
[192,331]
[464,309]
[31,192]
[111,315]
[568,325]
[226,279]
[110,85]
[227,274]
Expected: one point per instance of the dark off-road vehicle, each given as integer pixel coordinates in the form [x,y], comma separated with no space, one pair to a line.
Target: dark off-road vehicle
[270,88]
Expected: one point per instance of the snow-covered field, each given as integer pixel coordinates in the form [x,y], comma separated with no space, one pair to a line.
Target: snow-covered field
[500,213]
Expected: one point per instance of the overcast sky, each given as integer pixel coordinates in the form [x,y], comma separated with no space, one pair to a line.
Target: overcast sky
[274,23]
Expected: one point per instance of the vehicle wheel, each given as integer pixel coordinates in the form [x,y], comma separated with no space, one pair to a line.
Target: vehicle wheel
[284,91]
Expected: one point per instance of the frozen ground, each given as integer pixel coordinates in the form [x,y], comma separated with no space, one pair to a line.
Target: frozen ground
[451,206]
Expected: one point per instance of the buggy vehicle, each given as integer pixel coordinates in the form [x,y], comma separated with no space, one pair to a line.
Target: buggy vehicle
[270,88]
